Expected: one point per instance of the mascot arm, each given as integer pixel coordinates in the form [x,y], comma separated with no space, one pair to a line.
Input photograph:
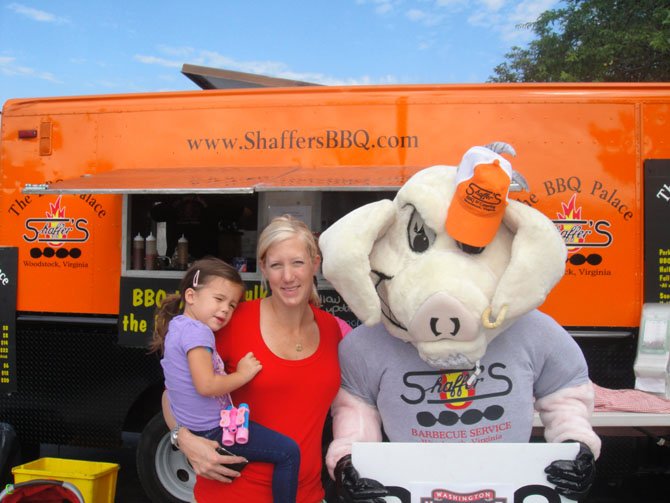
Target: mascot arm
[353,421]
[565,415]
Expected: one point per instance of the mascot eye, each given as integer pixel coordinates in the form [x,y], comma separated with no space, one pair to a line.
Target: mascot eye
[420,236]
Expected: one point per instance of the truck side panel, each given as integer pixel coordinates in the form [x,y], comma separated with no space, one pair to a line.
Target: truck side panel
[69,246]
[580,155]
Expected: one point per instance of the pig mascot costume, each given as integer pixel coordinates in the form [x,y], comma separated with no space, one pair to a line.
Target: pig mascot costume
[446,279]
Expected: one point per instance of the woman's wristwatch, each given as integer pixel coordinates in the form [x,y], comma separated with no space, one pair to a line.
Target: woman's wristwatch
[174,436]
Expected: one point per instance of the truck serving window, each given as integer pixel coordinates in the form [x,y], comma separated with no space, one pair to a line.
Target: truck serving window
[174,216]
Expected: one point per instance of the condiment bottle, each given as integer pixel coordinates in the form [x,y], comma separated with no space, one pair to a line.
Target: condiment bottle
[182,253]
[150,253]
[138,251]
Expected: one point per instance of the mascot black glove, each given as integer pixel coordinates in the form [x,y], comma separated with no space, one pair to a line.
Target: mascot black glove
[573,477]
[351,488]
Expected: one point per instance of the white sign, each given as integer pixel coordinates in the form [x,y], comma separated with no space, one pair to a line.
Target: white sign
[301,212]
[462,473]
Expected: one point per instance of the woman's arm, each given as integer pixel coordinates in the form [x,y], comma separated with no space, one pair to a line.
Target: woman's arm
[201,452]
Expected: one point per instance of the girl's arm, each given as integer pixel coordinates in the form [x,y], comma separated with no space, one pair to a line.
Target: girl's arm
[207,383]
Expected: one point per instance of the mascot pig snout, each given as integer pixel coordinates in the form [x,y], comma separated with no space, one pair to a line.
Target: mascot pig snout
[440,316]
[427,310]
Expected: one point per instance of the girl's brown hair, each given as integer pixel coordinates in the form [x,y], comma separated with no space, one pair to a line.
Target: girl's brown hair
[198,275]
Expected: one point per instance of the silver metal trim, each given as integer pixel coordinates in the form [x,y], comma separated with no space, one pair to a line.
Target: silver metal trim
[83,320]
[619,334]
[329,188]
[44,189]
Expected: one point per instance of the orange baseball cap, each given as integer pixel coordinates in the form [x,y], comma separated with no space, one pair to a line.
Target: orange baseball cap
[477,208]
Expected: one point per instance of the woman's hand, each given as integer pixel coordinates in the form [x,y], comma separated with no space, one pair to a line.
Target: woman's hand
[204,459]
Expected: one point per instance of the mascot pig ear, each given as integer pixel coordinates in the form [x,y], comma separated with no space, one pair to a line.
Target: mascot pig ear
[346,246]
[537,261]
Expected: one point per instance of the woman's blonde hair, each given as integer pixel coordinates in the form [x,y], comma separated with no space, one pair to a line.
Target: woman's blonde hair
[283,228]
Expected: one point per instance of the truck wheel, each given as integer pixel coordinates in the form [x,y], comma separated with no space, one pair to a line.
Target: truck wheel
[164,471]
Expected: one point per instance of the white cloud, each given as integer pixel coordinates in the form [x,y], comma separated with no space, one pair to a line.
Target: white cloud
[449,3]
[37,15]
[499,16]
[492,5]
[381,7]
[426,42]
[182,52]
[10,69]
[269,68]
[423,17]
[506,21]
[529,10]
[153,60]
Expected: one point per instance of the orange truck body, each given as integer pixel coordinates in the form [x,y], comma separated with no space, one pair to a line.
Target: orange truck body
[587,152]
[580,147]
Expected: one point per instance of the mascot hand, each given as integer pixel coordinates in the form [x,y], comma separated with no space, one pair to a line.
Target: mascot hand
[573,477]
[351,488]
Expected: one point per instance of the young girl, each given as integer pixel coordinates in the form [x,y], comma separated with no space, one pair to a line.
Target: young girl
[197,385]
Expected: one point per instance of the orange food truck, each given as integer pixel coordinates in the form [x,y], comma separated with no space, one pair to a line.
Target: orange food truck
[105,199]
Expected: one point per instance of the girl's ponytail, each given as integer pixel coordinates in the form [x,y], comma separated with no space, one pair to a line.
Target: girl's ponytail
[170,308]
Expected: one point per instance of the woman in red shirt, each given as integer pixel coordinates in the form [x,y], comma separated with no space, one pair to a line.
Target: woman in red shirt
[296,344]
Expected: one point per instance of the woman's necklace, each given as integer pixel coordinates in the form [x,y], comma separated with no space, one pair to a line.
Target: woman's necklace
[298,345]
[301,338]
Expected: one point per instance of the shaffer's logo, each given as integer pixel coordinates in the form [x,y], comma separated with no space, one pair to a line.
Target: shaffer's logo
[579,232]
[56,229]
[482,199]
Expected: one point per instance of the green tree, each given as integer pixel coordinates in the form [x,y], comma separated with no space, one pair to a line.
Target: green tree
[594,41]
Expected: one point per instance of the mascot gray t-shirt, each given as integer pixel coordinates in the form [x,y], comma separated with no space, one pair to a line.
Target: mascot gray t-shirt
[418,403]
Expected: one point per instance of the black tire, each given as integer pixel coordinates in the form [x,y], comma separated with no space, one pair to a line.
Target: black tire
[164,472]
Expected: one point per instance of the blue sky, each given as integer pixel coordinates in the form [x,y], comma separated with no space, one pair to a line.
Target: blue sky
[68,47]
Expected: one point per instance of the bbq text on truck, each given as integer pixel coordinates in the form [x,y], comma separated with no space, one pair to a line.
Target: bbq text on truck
[104,200]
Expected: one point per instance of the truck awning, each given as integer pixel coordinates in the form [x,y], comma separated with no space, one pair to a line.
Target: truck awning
[222,180]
